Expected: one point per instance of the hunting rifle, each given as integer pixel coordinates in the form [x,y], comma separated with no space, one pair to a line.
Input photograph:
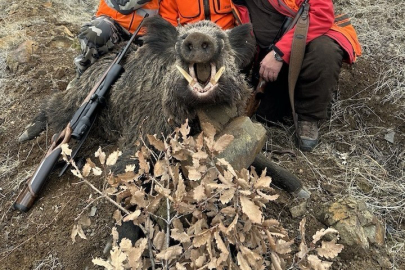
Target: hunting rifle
[258,93]
[78,128]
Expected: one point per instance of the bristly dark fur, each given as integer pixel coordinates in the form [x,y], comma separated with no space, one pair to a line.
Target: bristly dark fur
[151,90]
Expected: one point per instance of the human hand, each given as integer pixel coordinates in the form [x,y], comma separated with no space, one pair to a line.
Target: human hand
[270,67]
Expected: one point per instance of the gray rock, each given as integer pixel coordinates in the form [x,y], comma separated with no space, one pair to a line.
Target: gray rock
[355,223]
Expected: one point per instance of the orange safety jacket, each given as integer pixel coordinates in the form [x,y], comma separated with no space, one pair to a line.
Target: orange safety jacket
[131,20]
[181,12]
[322,21]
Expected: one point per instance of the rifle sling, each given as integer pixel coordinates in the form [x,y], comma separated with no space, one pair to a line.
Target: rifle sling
[297,57]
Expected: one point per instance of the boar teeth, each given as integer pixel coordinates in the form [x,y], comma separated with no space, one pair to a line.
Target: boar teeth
[218,75]
[185,74]
[215,76]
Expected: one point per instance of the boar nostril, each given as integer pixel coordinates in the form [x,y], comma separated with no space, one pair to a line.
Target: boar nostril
[204,45]
[189,46]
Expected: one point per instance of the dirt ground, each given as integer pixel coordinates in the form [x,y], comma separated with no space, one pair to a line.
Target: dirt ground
[41,238]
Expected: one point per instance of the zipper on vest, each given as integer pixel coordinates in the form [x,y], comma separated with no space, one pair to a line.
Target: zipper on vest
[207,12]
[132,20]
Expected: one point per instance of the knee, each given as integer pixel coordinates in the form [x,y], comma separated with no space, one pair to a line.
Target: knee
[325,53]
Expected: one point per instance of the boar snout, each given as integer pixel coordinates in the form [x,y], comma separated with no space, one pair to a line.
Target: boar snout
[198,48]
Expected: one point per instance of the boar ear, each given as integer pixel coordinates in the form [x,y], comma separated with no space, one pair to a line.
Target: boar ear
[160,34]
[243,43]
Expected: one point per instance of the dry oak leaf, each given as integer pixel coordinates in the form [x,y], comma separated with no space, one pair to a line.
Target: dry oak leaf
[199,193]
[181,190]
[227,195]
[242,262]
[66,150]
[223,142]
[220,243]
[209,130]
[103,263]
[193,174]
[200,261]
[133,216]
[250,255]
[160,168]
[138,198]
[268,197]
[97,171]
[226,179]
[223,162]
[317,264]
[177,235]
[86,169]
[329,250]
[101,155]
[164,191]
[143,164]
[180,266]
[199,155]
[135,254]
[251,210]
[77,230]
[283,247]
[117,258]
[202,238]
[264,181]
[159,241]
[232,225]
[113,157]
[319,234]
[170,253]
[76,173]
[185,129]
[155,142]
[228,211]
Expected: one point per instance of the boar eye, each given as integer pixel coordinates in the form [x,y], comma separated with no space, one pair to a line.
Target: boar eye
[183,36]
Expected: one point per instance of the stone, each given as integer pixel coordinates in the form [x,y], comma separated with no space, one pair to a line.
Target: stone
[299,210]
[355,223]
[249,137]
[21,55]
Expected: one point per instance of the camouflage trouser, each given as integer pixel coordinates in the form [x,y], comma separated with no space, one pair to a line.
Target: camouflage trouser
[97,38]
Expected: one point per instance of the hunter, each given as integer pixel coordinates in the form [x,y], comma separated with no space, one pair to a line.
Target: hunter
[330,40]
[113,22]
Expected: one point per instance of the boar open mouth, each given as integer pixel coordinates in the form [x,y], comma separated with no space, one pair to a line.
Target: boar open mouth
[202,77]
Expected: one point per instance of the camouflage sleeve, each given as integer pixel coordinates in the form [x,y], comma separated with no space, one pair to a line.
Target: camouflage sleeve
[126,6]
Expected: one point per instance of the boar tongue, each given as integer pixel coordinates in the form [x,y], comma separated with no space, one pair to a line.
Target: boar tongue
[203,72]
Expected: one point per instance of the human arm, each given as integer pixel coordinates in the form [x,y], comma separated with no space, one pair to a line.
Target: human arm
[168,10]
[270,67]
[321,17]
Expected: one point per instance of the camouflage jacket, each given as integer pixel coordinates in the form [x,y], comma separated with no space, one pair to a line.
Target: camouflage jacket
[126,6]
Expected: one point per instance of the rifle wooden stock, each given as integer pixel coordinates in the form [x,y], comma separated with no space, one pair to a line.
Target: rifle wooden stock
[34,184]
[256,97]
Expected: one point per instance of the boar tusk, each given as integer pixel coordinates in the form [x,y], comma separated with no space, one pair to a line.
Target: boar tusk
[219,74]
[185,74]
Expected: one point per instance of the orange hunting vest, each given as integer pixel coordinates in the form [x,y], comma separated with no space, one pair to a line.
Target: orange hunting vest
[221,12]
[341,25]
[131,21]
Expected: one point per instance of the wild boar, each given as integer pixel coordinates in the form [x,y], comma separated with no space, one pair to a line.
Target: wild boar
[176,71]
